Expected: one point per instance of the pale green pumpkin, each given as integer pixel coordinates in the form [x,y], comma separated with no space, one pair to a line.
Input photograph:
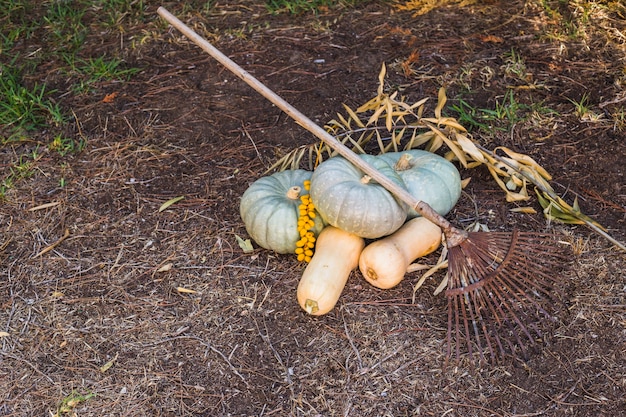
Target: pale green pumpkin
[428,177]
[350,200]
[269,209]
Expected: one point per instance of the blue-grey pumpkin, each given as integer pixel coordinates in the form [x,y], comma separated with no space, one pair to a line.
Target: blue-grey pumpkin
[269,209]
[349,199]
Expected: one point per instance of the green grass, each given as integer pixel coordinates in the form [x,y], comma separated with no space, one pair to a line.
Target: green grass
[22,168]
[89,72]
[506,112]
[305,6]
[116,13]
[63,23]
[31,112]
[515,67]
[581,107]
[574,20]
[74,399]
[64,145]
[25,108]
[469,116]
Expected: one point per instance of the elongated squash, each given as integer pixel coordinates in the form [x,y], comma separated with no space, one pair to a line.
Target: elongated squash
[384,262]
[336,255]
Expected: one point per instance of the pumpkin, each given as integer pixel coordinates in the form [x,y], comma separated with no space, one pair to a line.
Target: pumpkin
[325,276]
[349,199]
[384,262]
[428,177]
[269,209]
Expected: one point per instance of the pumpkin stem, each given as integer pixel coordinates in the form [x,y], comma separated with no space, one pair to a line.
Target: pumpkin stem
[294,192]
[365,179]
[404,163]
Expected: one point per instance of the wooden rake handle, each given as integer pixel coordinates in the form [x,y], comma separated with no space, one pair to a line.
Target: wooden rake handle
[453,235]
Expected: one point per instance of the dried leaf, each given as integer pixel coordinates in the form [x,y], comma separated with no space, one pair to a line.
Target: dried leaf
[4,334]
[435,143]
[183,290]
[419,140]
[450,122]
[109,364]
[470,148]
[418,104]
[512,197]
[381,79]
[496,177]
[442,285]
[525,210]
[389,118]
[245,245]
[491,38]
[555,208]
[343,122]
[526,160]
[165,268]
[474,164]
[441,101]
[45,206]
[536,178]
[109,98]
[374,118]
[168,203]
[372,104]
[353,116]
[514,182]
[442,263]
[453,147]
[431,271]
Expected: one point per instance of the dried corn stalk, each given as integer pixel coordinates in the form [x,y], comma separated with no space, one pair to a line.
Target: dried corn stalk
[387,123]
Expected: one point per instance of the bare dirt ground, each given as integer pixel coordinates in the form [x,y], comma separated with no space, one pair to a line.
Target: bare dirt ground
[99,326]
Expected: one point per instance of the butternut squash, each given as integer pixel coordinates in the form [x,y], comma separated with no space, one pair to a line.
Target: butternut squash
[384,262]
[336,255]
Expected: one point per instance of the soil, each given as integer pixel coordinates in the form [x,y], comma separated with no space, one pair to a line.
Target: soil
[146,312]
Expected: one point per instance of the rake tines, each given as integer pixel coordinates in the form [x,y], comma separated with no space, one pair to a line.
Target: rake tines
[496,284]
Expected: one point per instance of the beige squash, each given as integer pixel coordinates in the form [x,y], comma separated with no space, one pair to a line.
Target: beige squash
[336,255]
[384,262]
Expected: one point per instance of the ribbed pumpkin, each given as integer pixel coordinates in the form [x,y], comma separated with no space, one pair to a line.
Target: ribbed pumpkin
[428,177]
[350,200]
[270,210]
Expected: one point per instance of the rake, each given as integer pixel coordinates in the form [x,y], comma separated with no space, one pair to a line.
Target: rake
[496,280]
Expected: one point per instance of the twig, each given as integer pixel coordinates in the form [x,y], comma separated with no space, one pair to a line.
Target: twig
[215,350]
[356,351]
[54,245]
[5,244]
[203,343]
[33,367]
[477,407]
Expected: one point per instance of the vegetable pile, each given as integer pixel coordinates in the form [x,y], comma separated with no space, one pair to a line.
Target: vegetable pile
[283,213]
[325,217]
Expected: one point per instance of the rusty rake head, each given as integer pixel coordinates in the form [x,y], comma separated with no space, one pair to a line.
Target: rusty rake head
[498,285]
